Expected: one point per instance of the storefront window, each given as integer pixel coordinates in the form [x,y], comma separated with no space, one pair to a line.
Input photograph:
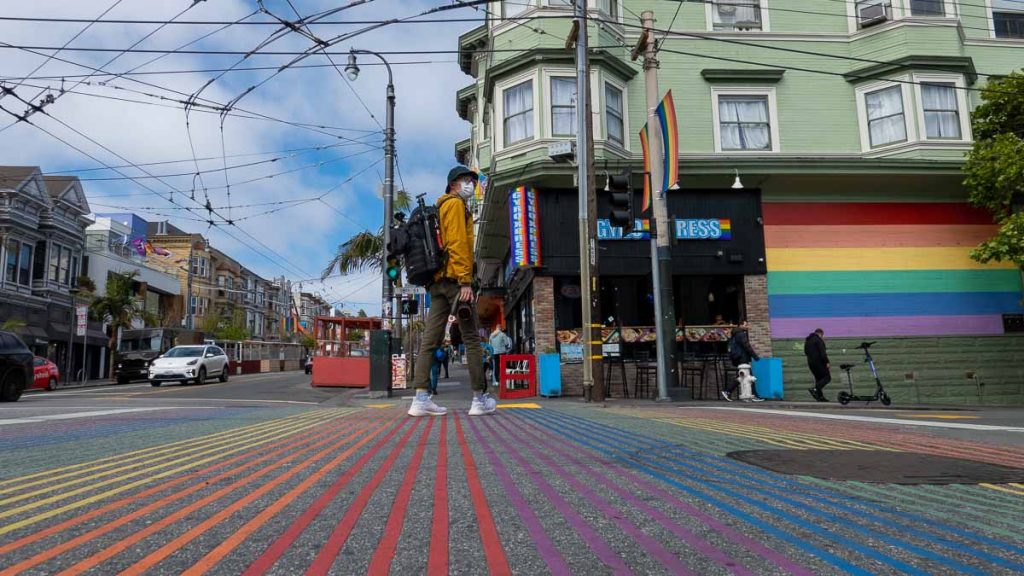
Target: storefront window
[627,301]
[707,300]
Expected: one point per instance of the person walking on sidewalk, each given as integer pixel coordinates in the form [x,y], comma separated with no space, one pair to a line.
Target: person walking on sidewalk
[435,371]
[740,354]
[445,357]
[817,361]
[452,289]
[501,344]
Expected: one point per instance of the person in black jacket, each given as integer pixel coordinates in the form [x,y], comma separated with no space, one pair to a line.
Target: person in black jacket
[741,353]
[817,361]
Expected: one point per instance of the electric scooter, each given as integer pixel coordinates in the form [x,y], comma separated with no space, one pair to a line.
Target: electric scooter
[880,395]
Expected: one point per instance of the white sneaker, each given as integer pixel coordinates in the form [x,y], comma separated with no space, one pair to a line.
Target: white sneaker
[483,405]
[725,396]
[423,405]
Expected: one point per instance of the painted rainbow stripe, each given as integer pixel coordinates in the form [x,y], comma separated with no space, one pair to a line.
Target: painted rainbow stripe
[726,225]
[670,141]
[883,270]
[647,169]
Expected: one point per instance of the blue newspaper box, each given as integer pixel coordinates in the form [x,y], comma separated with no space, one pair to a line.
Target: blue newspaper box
[768,372]
[549,372]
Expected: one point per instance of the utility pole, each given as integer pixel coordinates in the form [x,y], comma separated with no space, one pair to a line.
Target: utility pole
[593,382]
[661,255]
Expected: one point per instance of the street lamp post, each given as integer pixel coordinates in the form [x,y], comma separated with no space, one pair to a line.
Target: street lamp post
[387,291]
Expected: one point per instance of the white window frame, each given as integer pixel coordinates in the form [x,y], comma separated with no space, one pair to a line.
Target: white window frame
[900,11]
[200,266]
[498,136]
[709,22]
[992,24]
[617,16]
[524,9]
[548,124]
[550,4]
[909,117]
[963,110]
[773,117]
[626,134]
[948,6]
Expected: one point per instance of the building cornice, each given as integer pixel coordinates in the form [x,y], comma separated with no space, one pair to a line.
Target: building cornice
[464,98]
[602,58]
[742,76]
[469,43]
[954,64]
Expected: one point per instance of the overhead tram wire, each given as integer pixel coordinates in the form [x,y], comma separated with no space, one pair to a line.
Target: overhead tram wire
[182,161]
[89,24]
[112,60]
[210,70]
[169,198]
[178,104]
[212,104]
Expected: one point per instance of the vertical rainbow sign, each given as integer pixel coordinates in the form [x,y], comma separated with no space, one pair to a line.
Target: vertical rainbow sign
[670,141]
[647,170]
[523,227]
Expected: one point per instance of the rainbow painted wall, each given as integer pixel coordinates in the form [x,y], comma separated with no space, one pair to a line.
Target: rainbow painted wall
[883,269]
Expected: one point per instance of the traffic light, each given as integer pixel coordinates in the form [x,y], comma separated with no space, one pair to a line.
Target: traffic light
[620,187]
[393,270]
[410,307]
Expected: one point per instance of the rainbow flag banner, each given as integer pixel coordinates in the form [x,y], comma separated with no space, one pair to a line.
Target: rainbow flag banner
[883,269]
[670,141]
[647,170]
[524,227]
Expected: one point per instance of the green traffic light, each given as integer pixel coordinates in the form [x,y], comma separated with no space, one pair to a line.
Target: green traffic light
[393,272]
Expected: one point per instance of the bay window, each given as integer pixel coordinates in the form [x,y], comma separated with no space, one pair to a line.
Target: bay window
[563,106]
[613,113]
[886,119]
[518,113]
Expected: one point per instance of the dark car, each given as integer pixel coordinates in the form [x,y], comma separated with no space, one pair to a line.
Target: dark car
[16,369]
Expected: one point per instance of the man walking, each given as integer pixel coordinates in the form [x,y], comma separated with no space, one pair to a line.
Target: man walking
[817,361]
[741,353]
[501,344]
[452,290]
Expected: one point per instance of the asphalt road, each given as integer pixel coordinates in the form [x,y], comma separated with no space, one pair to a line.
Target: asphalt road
[264,474]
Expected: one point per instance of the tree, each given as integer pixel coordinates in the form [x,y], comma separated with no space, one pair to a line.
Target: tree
[364,250]
[118,307]
[12,324]
[994,171]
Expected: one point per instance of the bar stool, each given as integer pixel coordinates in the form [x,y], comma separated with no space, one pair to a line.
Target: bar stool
[645,371]
[610,363]
[691,372]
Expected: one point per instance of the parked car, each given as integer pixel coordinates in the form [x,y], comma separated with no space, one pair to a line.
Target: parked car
[189,364]
[140,347]
[15,367]
[46,374]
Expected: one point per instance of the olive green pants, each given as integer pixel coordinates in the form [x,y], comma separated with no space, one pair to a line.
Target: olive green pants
[443,294]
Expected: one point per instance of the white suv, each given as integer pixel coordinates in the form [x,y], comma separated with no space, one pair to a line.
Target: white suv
[189,364]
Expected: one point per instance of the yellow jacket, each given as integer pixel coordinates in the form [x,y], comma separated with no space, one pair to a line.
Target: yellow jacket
[457,238]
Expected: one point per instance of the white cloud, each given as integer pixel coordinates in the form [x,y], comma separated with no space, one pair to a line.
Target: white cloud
[304,236]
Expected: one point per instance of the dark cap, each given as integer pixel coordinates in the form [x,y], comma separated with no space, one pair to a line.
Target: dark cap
[460,171]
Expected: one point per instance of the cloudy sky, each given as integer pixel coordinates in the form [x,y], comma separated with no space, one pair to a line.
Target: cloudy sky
[322,183]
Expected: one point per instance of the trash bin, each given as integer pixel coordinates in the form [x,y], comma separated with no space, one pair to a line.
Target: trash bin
[768,372]
[550,370]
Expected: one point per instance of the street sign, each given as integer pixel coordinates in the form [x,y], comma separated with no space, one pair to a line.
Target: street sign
[81,317]
[411,290]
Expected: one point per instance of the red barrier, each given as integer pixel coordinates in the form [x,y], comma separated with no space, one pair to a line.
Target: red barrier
[341,371]
[518,378]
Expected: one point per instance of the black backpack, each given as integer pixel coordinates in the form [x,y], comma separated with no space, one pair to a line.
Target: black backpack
[417,244]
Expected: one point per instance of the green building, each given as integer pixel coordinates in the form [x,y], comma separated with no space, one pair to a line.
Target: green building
[827,138]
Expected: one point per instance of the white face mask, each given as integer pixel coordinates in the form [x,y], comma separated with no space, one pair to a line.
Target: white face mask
[466,189]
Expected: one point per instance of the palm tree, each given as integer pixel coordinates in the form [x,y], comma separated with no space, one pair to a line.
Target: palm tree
[118,307]
[364,250]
